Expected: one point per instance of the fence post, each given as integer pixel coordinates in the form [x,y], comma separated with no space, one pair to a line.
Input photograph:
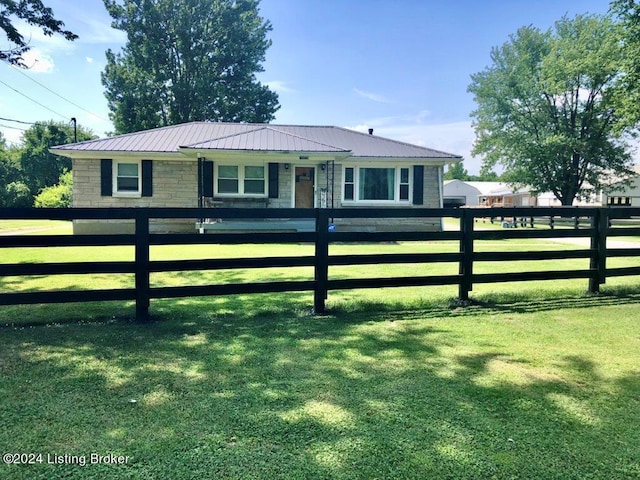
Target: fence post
[321,270]
[598,261]
[142,266]
[466,249]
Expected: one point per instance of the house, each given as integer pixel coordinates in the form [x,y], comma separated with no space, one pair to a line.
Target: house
[458,193]
[621,195]
[206,164]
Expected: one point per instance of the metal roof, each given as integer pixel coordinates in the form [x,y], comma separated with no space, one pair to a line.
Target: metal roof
[263,139]
[255,137]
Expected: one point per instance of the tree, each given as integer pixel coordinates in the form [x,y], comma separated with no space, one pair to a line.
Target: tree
[13,192]
[547,108]
[456,171]
[628,13]
[56,196]
[34,13]
[40,168]
[187,60]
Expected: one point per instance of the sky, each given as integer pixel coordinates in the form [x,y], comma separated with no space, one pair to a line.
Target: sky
[401,67]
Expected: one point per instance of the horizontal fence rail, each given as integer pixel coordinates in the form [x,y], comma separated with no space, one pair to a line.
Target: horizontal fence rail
[595,225]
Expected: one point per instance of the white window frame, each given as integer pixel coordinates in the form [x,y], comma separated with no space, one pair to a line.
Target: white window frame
[241,180]
[397,182]
[126,193]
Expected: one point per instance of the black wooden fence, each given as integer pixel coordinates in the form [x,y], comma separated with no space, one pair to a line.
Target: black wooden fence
[597,225]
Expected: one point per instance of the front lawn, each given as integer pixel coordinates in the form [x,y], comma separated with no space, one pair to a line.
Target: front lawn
[527,388]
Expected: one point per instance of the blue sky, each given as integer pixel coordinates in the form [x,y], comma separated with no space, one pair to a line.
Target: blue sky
[400,67]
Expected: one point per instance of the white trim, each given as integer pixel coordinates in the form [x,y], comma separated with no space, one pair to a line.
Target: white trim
[396,193]
[241,178]
[114,178]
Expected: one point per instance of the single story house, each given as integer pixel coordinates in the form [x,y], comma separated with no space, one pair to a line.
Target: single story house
[206,164]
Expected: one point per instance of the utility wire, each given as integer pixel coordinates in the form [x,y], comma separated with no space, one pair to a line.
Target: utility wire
[16,121]
[13,128]
[57,94]
[34,101]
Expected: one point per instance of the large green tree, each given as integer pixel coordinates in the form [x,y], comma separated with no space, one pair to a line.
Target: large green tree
[548,111]
[34,13]
[39,167]
[187,60]
[628,15]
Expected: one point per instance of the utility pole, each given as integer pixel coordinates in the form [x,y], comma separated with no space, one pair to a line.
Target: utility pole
[75,129]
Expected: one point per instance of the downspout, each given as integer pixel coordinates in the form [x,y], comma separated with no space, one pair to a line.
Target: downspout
[200,182]
[333,184]
[440,193]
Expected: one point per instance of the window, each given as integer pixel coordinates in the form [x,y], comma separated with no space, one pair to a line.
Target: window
[254,180]
[619,201]
[241,180]
[348,183]
[375,184]
[228,179]
[404,184]
[127,178]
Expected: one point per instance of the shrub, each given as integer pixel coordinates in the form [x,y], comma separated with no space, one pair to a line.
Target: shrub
[15,194]
[57,196]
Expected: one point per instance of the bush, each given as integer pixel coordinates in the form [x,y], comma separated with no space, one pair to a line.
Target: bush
[57,196]
[15,195]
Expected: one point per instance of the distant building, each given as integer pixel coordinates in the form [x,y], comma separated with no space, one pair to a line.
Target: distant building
[624,195]
[458,193]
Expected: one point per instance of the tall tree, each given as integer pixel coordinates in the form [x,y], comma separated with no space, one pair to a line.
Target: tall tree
[456,171]
[628,14]
[187,60]
[40,168]
[547,108]
[34,13]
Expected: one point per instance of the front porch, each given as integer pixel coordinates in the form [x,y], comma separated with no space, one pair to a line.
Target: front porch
[282,225]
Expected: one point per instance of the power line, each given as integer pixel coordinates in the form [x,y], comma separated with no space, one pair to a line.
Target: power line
[17,121]
[34,101]
[57,94]
[13,128]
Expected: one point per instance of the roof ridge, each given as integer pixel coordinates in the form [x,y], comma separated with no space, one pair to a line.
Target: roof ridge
[215,139]
[270,127]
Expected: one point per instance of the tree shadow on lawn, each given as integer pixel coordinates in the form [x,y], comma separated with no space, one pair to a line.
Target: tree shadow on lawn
[290,395]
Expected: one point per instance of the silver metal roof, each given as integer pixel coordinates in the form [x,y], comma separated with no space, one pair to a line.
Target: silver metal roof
[255,137]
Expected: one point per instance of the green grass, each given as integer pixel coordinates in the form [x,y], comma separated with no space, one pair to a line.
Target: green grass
[530,380]
[508,388]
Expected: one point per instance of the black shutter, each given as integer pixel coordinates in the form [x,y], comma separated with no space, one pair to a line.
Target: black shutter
[274,169]
[147,178]
[418,184]
[207,178]
[106,178]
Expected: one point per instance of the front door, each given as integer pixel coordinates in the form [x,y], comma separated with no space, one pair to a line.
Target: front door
[304,187]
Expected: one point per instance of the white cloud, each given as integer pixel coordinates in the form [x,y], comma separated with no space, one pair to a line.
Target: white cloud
[36,39]
[280,86]
[99,30]
[37,61]
[89,59]
[374,97]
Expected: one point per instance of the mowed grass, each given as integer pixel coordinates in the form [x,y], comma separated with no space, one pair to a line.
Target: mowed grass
[531,380]
[509,389]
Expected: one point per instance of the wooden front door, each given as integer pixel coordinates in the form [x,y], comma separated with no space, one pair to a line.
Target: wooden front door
[304,187]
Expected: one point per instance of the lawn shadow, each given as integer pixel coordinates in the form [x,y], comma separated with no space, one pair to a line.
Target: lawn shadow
[239,392]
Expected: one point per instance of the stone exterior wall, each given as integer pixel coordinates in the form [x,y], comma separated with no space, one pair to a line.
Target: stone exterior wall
[175,184]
